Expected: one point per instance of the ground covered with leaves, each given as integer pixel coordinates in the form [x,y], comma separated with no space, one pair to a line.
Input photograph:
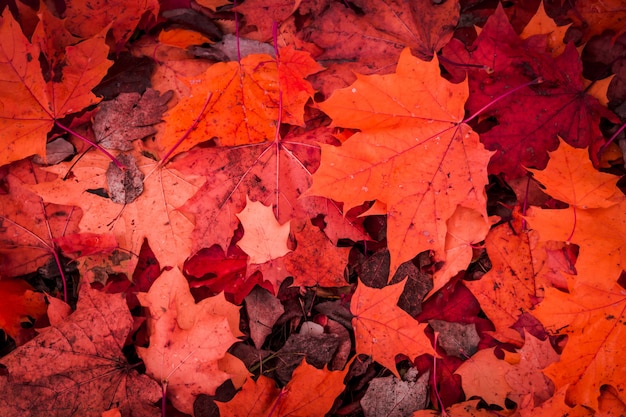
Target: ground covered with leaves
[313,207]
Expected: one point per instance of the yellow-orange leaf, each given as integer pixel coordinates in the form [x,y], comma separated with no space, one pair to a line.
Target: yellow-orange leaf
[571,178]
[263,238]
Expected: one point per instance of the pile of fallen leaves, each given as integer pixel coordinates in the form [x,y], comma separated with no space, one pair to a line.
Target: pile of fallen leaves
[368,207]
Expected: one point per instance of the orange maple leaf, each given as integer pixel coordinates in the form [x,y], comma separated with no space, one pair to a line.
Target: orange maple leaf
[511,286]
[244,101]
[30,104]
[542,24]
[555,406]
[593,319]
[186,339]
[597,16]
[526,376]
[330,260]
[382,329]
[571,178]
[413,153]
[594,221]
[28,227]
[466,228]
[310,392]
[484,375]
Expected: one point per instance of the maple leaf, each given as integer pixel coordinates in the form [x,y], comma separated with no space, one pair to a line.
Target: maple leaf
[217,271]
[382,329]
[599,233]
[570,177]
[390,396]
[593,319]
[555,406]
[30,104]
[526,375]
[19,303]
[466,228]
[310,392]
[245,101]
[330,260]
[413,153]
[152,215]
[555,103]
[511,286]
[263,238]
[463,409]
[186,339]
[77,367]
[484,375]
[593,220]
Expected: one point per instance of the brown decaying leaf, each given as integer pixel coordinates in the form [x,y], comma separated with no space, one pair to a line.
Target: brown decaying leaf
[128,117]
[263,310]
[77,366]
[393,397]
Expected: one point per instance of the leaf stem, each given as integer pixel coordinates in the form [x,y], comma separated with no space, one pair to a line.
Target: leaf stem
[280,113]
[84,139]
[508,93]
[442,58]
[237,32]
[603,147]
[525,204]
[443,409]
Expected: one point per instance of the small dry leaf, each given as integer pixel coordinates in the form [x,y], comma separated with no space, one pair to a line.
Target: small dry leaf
[457,339]
[263,310]
[392,397]
[124,185]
